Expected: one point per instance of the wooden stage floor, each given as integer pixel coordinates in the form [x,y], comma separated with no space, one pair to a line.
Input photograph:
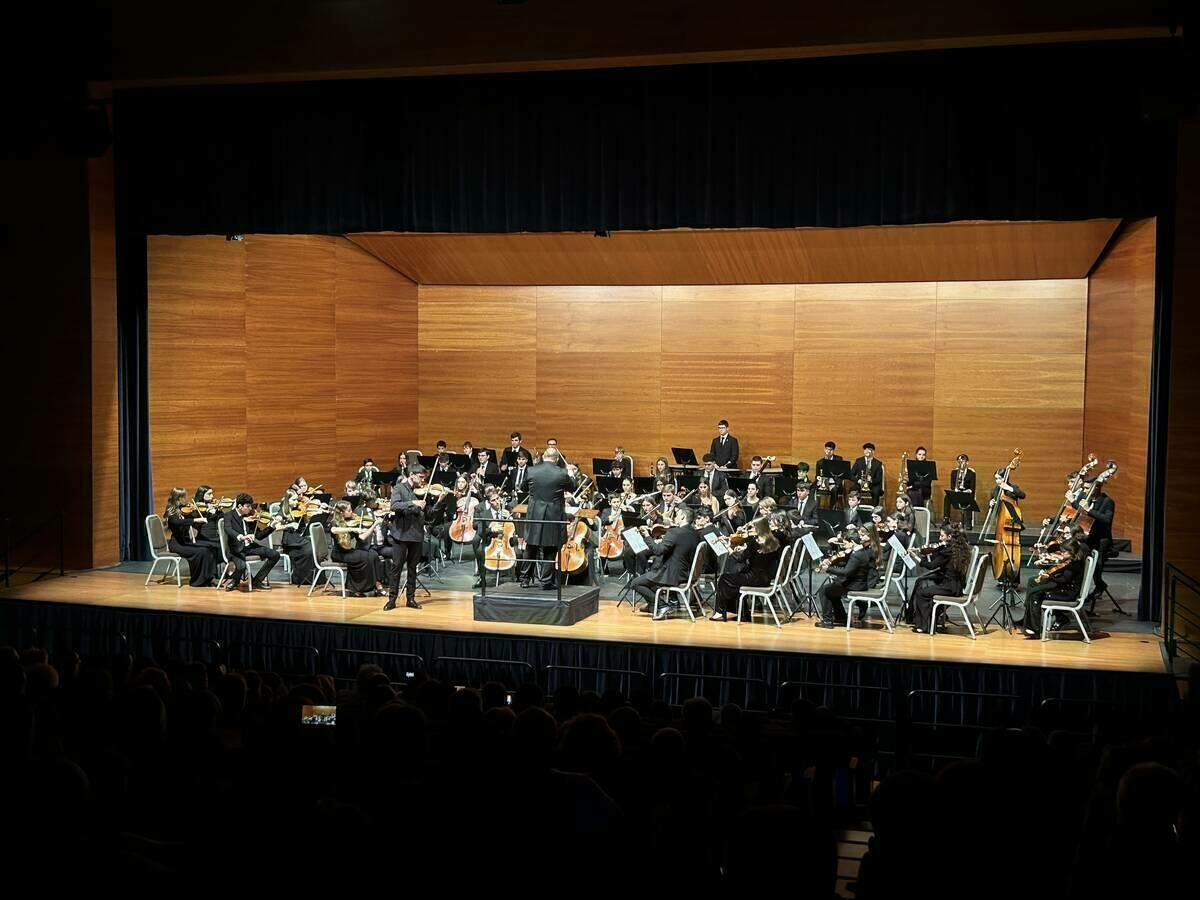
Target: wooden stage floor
[451,611]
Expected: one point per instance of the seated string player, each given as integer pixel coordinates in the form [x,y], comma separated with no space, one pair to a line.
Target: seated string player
[674,553]
[245,532]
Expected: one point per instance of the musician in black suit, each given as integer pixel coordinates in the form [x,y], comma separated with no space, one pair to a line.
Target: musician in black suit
[724,447]
[623,462]
[826,482]
[765,482]
[549,486]
[802,507]
[717,482]
[407,529]
[674,552]
[443,471]
[855,574]
[508,458]
[854,514]
[246,540]
[867,469]
[516,481]
[483,466]
[961,479]
[1102,508]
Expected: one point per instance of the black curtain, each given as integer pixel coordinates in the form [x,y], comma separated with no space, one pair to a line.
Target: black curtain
[997,134]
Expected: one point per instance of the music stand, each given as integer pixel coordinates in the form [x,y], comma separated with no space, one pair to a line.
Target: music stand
[684,456]
[601,466]
[688,482]
[606,484]
[964,502]
[831,520]
[923,470]
[460,461]
[643,484]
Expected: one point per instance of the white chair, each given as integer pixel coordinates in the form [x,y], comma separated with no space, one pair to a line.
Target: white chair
[876,597]
[320,551]
[160,552]
[251,562]
[686,592]
[275,540]
[923,521]
[788,594]
[973,587]
[1050,607]
[800,592]
[763,594]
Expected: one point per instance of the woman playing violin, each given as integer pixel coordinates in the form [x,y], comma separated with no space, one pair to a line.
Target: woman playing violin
[758,552]
[207,527]
[946,570]
[294,508]
[180,517]
[1060,581]
[352,548]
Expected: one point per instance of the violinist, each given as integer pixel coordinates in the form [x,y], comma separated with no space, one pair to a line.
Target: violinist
[635,563]
[181,517]
[352,548]
[961,479]
[716,481]
[209,526]
[704,499]
[757,551]
[508,459]
[733,516]
[294,540]
[853,571]
[867,473]
[945,574]
[578,480]
[351,492]
[489,519]
[669,501]
[408,532]
[516,481]
[1058,582]
[675,552]
[244,533]
[622,461]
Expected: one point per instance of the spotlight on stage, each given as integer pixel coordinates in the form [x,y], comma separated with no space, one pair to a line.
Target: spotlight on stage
[234,237]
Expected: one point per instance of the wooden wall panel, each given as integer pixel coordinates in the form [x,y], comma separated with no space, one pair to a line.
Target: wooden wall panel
[374,360]
[1120,339]
[750,319]
[476,395]
[588,318]
[197,339]
[289,313]
[478,318]
[106,528]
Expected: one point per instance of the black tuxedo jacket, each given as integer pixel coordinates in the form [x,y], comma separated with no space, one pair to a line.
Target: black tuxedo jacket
[717,481]
[517,479]
[675,551]
[726,453]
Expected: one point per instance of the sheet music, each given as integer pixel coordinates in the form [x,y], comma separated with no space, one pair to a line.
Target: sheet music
[717,545]
[634,539]
[810,544]
[895,544]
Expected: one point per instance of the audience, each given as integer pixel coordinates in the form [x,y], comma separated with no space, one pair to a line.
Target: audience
[118,765]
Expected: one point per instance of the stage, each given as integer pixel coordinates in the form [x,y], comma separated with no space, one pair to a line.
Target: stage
[449,612]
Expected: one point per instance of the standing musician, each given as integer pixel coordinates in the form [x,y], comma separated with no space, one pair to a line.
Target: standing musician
[961,479]
[408,533]
[490,518]
[765,482]
[724,447]
[867,474]
[716,481]
[1102,508]
[622,461]
[674,552]
[293,509]
[757,567]
[246,541]
[516,481]
[802,506]
[352,548]
[946,571]
[733,516]
[549,487]
[920,487]
[1060,582]
[1010,490]
[209,526]
[508,459]
[827,482]
[180,518]
[704,498]
[857,573]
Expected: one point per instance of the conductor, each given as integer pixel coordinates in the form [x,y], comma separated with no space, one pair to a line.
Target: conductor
[549,486]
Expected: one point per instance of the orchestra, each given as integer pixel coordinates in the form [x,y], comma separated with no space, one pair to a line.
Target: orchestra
[527,512]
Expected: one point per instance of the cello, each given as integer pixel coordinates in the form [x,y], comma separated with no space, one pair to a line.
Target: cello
[572,557]
[611,543]
[499,555]
[462,530]
[1006,552]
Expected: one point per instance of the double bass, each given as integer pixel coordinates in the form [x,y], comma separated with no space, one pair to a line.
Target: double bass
[1006,552]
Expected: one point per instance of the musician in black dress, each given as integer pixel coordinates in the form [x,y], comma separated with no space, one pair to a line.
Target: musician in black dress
[294,540]
[724,447]
[945,575]
[856,573]
[903,519]
[208,527]
[751,500]
[756,567]
[245,537]
[351,546]
[202,568]
[1058,582]
[867,474]
[408,532]
[920,487]
[961,479]
[733,516]
[716,481]
[674,552]
[549,487]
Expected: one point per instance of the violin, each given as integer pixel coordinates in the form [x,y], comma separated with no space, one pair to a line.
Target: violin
[832,559]
[1058,567]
